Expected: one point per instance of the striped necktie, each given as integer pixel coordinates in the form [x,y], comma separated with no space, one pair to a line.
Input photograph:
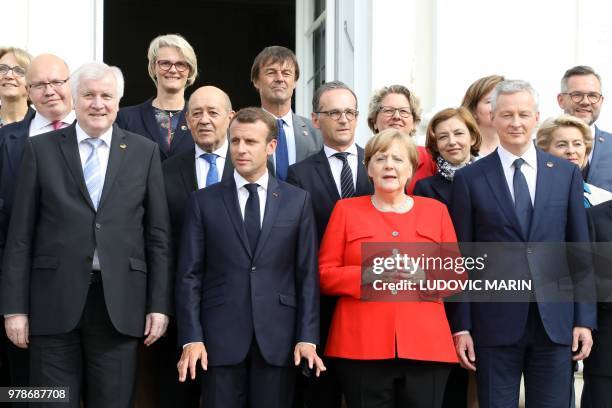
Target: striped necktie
[346,176]
[91,171]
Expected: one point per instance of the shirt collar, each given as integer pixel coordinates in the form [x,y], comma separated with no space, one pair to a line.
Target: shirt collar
[241,181]
[507,158]
[220,152]
[106,137]
[39,121]
[329,152]
[287,118]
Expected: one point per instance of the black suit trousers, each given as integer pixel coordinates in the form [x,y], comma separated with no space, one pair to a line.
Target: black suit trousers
[94,360]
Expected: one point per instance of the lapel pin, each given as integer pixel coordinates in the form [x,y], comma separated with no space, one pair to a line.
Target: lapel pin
[601,139]
[275,194]
[183,127]
[123,145]
[305,133]
[549,164]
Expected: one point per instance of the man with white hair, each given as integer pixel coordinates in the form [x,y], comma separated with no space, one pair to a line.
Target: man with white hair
[85,269]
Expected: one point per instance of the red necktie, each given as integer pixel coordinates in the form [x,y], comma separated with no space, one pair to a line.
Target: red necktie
[57,124]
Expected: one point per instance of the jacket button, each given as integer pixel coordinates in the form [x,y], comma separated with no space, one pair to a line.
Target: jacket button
[98,226]
[253,268]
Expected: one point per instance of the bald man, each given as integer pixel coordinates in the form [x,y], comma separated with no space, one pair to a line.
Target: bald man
[209,112]
[49,91]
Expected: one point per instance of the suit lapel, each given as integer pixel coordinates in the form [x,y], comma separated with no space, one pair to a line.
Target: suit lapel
[148,118]
[299,131]
[271,211]
[230,197]
[364,186]
[117,152]
[228,168]
[188,172]
[325,175]
[544,182]
[494,174]
[598,144]
[15,141]
[182,133]
[70,150]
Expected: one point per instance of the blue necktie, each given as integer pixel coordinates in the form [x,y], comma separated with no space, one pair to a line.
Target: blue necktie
[522,199]
[251,215]
[346,176]
[212,176]
[92,173]
[282,152]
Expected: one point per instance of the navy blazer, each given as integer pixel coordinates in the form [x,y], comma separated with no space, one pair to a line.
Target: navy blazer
[600,166]
[436,187]
[12,140]
[482,210]
[140,119]
[227,296]
[314,175]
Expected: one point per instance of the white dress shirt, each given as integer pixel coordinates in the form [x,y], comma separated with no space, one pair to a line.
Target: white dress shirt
[290,135]
[202,165]
[103,152]
[40,124]
[529,168]
[335,164]
[243,193]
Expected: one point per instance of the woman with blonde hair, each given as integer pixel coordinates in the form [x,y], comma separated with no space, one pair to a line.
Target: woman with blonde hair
[14,64]
[173,67]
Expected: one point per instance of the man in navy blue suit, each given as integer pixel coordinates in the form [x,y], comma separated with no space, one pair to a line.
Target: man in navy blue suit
[521,194]
[581,96]
[247,284]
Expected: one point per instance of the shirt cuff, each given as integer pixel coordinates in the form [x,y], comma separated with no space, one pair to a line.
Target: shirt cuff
[310,344]
[193,342]
[6,316]
[459,333]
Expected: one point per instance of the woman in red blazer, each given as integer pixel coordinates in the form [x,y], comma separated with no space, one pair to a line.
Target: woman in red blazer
[396,107]
[387,354]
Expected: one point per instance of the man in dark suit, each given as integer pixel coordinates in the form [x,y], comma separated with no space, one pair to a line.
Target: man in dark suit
[247,283]
[597,391]
[521,194]
[336,172]
[209,112]
[49,92]
[85,270]
[274,74]
[581,96]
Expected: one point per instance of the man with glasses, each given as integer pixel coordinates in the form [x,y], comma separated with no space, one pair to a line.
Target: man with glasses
[49,90]
[581,96]
[274,74]
[336,172]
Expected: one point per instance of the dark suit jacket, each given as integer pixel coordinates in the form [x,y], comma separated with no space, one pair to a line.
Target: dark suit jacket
[12,139]
[54,230]
[483,211]
[436,187]
[141,119]
[307,140]
[600,166]
[314,175]
[600,228]
[227,296]
[180,181]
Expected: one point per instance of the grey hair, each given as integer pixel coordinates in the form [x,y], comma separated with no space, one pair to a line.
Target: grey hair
[95,71]
[329,86]
[578,70]
[513,86]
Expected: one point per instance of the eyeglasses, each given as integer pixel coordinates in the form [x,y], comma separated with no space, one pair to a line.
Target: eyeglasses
[17,70]
[181,66]
[577,97]
[335,114]
[56,83]
[389,111]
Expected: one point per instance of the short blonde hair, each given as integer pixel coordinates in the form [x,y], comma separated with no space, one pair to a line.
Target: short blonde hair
[22,56]
[379,95]
[381,141]
[181,44]
[544,135]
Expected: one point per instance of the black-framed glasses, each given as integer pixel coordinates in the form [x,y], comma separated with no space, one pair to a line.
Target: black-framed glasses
[389,111]
[335,114]
[17,70]
[181,66]
[56,83]
[577,97]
